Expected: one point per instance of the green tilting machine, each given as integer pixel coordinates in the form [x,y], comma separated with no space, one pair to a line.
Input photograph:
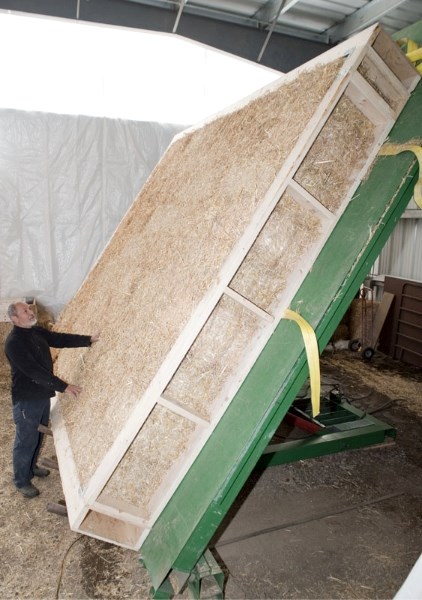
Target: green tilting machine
[176,546]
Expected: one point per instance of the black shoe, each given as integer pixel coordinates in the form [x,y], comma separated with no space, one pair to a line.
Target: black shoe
[29,491]
[40,472]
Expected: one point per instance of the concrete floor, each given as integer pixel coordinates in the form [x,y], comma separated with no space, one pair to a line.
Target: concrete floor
[346,525]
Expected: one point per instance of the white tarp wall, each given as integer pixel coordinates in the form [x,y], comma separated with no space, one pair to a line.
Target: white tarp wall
[65,183]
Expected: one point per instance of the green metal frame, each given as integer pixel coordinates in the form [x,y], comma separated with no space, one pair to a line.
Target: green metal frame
[346,428]
[206,579]
[183,531]
[413,32]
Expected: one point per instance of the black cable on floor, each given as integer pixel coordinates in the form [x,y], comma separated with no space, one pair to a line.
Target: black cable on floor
[253,534]
[385,405]
[59,582]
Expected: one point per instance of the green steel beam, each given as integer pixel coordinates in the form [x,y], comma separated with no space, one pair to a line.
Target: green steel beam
[191,517]
[321,445]
[412,32]
[354,431]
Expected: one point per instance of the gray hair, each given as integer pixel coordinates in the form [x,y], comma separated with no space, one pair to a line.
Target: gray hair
[12,311]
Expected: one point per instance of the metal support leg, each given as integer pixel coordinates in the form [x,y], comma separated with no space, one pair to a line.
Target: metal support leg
[164,592]
[206,580]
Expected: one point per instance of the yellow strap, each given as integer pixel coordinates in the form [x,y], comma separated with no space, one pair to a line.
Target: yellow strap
[312,354]
[393,149]
[414,55]
[411,45]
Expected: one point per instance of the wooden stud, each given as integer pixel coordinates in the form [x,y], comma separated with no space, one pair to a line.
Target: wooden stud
[396,60]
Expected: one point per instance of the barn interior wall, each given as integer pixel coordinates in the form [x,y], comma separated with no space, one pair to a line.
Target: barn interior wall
[283,52]
[66,182]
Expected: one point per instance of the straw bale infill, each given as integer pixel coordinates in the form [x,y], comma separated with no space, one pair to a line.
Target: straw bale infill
[284,240]
[214,356]
[158,445]
[337,154]
[168,251]
[220,347]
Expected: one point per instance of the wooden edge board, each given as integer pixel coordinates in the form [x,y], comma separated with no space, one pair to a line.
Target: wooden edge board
[106,529]
[183,411]
[369,102]
[262,314]
[122,515]
[388,77]
[123,506]
[397,62]
[380,316]
[306,199]
[76,508]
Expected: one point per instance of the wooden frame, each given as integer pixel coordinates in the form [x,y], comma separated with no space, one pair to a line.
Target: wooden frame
[377,91]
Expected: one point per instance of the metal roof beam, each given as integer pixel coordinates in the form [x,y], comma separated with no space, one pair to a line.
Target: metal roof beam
[182,4]
[251,22]
[288,5]
[268,11]
[361,18]
[274,21]
[272,9]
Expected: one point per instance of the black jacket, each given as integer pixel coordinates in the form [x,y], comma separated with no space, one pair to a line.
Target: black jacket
[28,352]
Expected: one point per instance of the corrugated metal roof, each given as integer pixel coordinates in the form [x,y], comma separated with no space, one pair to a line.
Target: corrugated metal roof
[327,21]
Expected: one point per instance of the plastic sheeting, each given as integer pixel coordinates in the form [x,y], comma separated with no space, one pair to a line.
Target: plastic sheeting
[65,184]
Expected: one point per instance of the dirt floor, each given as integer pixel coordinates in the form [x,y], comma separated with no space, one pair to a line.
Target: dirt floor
[345,525]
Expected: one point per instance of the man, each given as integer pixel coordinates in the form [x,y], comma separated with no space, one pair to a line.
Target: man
[27,349]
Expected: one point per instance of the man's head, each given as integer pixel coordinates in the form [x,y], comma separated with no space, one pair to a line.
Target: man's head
[21,315]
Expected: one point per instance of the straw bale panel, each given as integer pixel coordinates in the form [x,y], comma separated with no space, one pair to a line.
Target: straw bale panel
[160,442]
[200,272]
[213,357]
[286,237]
[168,252]
[337,154]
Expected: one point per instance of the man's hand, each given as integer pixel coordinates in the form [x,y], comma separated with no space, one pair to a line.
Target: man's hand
[95,337]
[73,390]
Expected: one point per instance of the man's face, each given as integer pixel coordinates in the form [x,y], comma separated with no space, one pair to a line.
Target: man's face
[24,316]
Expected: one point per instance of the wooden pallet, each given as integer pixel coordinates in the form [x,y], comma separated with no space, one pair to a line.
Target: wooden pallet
[200,272]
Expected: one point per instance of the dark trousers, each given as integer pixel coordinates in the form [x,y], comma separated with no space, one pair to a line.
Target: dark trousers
[28,415]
